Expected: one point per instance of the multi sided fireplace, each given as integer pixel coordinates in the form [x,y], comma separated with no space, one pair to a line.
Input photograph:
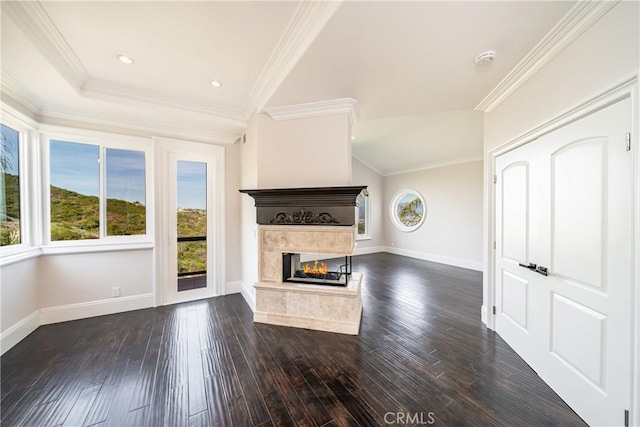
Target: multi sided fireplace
[332,272]
[300,233]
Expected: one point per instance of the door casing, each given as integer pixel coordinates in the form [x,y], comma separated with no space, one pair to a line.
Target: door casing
[166,152]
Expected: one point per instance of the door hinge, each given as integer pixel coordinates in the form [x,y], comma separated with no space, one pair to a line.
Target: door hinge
[495,179]
[494,309]
[626,418]
[628,140]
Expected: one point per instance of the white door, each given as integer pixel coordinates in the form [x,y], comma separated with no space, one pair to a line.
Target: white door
[564,203]
[192,261]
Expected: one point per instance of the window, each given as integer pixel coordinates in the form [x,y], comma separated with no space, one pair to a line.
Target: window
[362,216]
[126,211]
[407,210]
[96,192]
[74,191]
[10,200]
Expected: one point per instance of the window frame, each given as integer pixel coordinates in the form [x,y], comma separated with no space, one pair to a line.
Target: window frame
[104,141]
[28,155]
[366,197]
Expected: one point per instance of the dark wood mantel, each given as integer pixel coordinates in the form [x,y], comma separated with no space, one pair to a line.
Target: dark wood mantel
[306,206]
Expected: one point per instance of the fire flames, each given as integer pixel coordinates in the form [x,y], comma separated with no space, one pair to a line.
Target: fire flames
[319,267]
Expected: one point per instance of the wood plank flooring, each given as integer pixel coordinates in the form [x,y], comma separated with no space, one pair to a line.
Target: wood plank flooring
[422,357]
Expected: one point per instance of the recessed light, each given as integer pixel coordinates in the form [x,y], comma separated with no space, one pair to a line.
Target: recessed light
[125,59]
[215,83]
[353,137]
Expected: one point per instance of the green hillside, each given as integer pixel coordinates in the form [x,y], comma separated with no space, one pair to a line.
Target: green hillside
[10,218]
[192,256]
[75,216]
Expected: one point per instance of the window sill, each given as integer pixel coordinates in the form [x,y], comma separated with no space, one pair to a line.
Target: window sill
[19,255]
[363,238]
[91,248]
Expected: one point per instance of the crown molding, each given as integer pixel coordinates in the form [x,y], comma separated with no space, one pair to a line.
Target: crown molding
[103,89]
[306,23]
[47,38]
[582,16]
[146,128]
[427,166]
[367,164]
[42,31]
[14,89]
[316,109]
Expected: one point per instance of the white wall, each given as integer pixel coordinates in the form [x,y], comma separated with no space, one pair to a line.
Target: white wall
[604,53]
[18,300]
[310,152]
[233,212]
[452,230]
[84,277]
[363,175]
[248,227]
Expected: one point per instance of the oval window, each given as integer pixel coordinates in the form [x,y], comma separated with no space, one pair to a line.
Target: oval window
[407,210]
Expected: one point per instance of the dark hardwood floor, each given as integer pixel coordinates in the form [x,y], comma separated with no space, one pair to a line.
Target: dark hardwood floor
[422,355]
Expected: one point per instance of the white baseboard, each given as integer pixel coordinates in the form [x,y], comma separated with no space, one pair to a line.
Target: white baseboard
[64,313]
[19,331]
[369,250]
[483,314]
[456,262]
[233,287]
[248,293]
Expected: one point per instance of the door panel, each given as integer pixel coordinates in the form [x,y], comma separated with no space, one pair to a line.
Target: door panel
[515,207]
[573,326]
[577,338]
[578,210]
[514,298]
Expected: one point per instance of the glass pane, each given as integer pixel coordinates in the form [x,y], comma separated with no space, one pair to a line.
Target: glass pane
[10,188]
[362,216]
[125,175]
[192,224]
[409,209]
[75,190]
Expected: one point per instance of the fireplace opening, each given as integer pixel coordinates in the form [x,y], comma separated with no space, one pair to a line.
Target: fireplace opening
[309,270]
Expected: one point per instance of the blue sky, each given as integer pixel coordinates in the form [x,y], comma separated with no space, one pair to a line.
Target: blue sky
[192,185]
[76,167]
[10,149]
[125,175]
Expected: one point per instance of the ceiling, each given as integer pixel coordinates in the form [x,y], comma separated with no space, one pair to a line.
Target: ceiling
[410,65]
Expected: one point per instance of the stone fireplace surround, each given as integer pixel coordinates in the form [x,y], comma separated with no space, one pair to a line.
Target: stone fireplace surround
[309,306]
[319,307]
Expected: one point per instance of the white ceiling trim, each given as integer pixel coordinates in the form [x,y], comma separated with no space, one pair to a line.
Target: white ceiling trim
[316,109]
[432,166]
[59,117]
[582,16]
[101,89]
[18,92]
[369,165]
[306,23]
[48,39]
